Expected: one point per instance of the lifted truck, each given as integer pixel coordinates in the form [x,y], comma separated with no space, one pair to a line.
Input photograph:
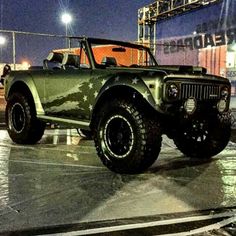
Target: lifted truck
[116,92]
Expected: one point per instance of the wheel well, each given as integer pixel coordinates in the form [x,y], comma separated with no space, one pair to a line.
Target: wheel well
[121,92]
[20,87]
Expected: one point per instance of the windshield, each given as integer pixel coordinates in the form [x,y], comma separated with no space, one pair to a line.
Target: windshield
[115,55]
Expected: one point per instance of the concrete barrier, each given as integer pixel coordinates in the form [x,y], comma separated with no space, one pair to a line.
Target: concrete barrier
[2,100]
[2,108]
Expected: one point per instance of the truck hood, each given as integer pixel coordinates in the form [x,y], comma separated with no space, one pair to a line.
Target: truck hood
[166,69]
[179,69]
[180,72]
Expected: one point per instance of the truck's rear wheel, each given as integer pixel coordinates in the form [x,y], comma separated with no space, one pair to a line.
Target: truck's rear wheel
[202,137]
[126,140]
[22,125]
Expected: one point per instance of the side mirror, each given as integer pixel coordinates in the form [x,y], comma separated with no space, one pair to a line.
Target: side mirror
[6,70]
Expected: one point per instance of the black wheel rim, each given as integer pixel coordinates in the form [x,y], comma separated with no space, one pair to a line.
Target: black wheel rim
[17,118]
[119,136]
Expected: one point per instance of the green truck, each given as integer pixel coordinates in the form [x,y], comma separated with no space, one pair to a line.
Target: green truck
[117,93]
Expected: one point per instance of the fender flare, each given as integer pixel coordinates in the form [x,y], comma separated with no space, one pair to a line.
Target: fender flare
[27,81]
[128,80]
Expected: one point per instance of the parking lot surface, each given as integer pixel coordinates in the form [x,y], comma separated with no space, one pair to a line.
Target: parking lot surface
[60,181]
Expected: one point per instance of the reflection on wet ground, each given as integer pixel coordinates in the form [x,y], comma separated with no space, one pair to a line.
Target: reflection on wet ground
[61,181]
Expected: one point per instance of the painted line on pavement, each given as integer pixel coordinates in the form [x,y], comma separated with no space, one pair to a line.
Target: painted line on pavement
[33,147]
[148,225]
[58,164]
[207,228]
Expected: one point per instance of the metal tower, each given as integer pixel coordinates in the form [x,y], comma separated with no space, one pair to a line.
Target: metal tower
[149,15]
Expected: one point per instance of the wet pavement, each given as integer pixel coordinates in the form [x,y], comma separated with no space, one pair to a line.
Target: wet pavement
[60,185]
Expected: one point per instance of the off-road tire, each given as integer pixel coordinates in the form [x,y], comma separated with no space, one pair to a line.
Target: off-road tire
[127,140]
[22,124]
[203,137]
[84,133]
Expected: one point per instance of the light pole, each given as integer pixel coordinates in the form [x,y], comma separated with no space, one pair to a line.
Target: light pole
[66,18]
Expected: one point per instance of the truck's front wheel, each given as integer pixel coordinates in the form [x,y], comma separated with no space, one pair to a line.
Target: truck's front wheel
[203,137]
[22,124]
[126,140]
[84,133]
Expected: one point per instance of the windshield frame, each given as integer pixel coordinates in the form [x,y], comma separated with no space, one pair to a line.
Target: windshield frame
[98,41]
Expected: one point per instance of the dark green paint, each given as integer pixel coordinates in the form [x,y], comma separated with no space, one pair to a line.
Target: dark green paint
[69,95]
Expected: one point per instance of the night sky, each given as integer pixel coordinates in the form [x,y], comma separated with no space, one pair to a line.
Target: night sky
[101,18]
[115,19]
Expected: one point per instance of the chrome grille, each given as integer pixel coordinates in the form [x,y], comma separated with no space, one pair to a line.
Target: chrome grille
[200,91]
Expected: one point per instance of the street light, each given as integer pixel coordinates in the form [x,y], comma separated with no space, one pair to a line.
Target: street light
[66,18]
[2,40]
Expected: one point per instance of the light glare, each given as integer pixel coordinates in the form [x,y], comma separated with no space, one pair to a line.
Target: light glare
[2,40]
[66,18]
[25,64]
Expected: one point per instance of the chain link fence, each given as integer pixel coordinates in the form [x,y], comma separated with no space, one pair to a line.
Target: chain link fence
[24,49]
[21,47]
[18,48]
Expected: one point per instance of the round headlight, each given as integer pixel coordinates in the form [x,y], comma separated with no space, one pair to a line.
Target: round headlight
[221,105]
[172,91]
[225,92]
[190,105]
